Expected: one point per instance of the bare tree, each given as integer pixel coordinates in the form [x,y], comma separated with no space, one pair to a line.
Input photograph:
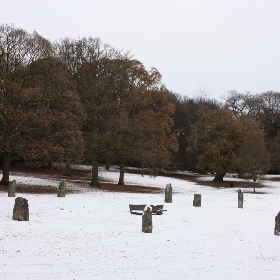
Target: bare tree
[263,108]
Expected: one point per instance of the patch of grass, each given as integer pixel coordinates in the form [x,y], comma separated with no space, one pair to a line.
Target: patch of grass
[35,189]
[81,178]
[256,192]
[226,184]
[128,188]
[275,179]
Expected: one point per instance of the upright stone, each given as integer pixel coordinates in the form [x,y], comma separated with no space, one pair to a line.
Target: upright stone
[12,189]
[147,222]
[197,200]
[168,193]
[61,189]
[21,209]
[240,198]
[277,225]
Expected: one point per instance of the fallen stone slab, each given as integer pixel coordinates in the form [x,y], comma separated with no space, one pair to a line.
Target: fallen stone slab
[137,209]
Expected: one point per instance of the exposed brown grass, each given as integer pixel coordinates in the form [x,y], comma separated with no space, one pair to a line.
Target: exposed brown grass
[78,178]
[35,189]
[128,188]
[81,179]
[247,187]
[275,179]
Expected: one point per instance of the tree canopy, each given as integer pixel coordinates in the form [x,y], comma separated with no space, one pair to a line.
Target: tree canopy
[215,136]
[81,100]
[254,159]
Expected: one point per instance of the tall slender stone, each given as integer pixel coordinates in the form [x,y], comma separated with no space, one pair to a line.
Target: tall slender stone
[147,222]
[61,189]
[240,198]
[197,200]
[12,189]
[21,209]
[168,193]
[277,225]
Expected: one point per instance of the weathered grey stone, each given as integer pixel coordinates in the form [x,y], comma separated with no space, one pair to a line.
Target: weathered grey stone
[168,193]
[147,222]
[240,198]
[277,225]
[197,200]
[21,209]
[12,188]
[61,189]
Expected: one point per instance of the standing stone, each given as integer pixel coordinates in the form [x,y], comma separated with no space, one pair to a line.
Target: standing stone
[240,198]
[61,189]
[147,223]
[168,193]
[197,200]
[12,189]
[21,209]
[277,225]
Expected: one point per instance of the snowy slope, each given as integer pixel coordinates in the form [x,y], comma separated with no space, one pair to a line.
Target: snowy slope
[92,235]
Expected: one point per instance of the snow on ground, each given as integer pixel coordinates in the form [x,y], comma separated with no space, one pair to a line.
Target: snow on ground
[92,235]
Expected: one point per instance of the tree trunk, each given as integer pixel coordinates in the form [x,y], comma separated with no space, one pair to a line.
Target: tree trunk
[107,163]
[6,158]
[94,173]
[219,177]
[6,169]
[94,170]
[254,185]
[67,168]
[121,178]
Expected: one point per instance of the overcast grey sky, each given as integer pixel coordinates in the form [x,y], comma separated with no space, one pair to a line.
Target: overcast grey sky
[197,45]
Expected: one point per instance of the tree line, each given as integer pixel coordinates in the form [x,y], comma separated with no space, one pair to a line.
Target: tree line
[240,135]
[79,101]
[83,101]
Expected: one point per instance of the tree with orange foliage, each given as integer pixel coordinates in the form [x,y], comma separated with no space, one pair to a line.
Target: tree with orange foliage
[254,158]
[56,116]
[141,123]
[123,102]
[18,49]
[215,136]
[87,60]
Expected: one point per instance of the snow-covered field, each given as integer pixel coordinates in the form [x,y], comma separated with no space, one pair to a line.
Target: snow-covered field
[92,235]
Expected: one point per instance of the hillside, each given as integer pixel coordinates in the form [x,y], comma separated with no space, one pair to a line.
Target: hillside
[90,234]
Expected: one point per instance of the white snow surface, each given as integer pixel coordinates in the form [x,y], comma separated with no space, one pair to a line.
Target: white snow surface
[92,235]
